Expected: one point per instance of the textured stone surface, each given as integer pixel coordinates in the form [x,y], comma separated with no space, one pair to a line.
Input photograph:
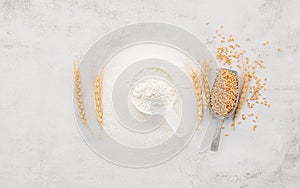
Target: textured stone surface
[41,147]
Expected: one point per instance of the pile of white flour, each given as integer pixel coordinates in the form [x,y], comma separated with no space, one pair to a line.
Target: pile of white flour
[150,94]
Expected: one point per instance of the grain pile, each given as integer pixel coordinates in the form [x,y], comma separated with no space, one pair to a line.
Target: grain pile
[231,54]
[224,92]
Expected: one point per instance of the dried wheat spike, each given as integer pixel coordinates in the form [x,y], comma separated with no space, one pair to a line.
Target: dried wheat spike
[198,94]
[98,99]
[206,83]
[77,84]
[242,96]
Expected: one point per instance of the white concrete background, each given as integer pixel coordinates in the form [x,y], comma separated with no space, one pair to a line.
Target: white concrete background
[40,145]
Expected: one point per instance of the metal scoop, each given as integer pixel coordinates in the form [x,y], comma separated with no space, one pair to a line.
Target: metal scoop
[217,134]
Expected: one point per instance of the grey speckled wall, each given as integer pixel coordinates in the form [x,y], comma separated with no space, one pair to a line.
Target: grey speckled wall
[41,147]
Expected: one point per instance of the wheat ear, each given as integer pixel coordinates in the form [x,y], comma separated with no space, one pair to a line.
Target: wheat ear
[98,98]
[77,84]
[206,83]
[242,96]
[198,94]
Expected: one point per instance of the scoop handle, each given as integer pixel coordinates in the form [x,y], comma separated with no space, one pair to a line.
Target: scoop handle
[208,135]
[216,139]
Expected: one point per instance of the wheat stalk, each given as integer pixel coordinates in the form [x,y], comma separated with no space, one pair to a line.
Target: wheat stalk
[98,98]
[198,94]
[242,96]
[77,84]
[206,83]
